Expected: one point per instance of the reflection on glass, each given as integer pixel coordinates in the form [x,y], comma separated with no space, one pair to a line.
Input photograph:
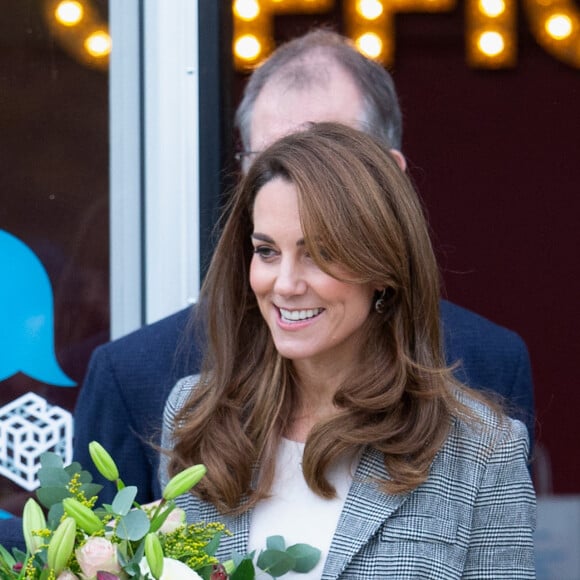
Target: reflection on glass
[55,206]
[69,12]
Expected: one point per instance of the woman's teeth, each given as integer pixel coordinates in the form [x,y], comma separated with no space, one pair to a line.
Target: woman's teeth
[294,315]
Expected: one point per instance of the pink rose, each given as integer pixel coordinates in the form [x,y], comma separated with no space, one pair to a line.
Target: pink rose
[174,520]
[98,554]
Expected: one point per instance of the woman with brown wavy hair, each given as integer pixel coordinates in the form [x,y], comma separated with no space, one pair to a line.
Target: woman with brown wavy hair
[324,411]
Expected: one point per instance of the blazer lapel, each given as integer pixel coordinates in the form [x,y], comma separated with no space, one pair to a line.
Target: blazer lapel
[364,511]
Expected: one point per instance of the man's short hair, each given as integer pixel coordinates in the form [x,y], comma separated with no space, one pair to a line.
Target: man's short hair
[382,114]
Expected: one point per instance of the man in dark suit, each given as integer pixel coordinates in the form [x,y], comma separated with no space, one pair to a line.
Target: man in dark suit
[318,77]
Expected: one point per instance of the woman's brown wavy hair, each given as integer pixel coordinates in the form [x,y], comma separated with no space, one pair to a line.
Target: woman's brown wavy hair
[357,209]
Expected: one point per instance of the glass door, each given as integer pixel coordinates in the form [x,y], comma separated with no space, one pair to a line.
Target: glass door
[54,224]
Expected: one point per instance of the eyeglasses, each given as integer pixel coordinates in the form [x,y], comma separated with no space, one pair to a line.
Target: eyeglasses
[241,156]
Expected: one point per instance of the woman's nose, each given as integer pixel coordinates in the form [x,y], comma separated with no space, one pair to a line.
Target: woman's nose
[290,279]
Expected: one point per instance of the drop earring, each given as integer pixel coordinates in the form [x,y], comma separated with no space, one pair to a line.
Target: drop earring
[380,303]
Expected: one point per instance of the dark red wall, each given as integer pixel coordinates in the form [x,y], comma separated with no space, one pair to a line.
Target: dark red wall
[496,156]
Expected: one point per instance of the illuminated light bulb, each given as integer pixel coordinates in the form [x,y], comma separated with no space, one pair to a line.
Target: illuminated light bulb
[491,43]
[492,8]
[369,9]
[69,12]
[98,44]
[247,47]
[370,44]
[559,26]
[246,9]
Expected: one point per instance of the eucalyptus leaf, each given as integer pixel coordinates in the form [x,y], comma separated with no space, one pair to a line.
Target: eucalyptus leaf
[48,496]
[237,557]
[85,476]
[74,467]
[205,572]
[306,557]
[133,570]
[55,514]
[126,560]
[50,459]
[123,501]
[122,555]
[101,512]
[139,553]
[133,526]
[275,562]
[53,477]
[91,489]
[212,546]
[276,543]
[19,554]
[244,571]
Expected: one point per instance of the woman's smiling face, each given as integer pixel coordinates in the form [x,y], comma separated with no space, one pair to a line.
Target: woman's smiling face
[311,315]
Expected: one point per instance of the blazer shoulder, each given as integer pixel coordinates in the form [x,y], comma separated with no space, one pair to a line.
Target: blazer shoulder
[180,393]
[490,357]
[157,354]
[486,431]
[463,323]
[163,333]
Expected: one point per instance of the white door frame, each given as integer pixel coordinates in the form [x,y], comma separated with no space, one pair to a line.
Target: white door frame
[154,160]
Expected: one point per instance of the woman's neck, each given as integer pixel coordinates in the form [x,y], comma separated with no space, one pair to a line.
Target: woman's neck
[315,392]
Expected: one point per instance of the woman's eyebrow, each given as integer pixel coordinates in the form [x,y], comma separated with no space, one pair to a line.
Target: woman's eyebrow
[264,238]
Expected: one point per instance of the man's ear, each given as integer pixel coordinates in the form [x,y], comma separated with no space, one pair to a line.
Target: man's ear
[399,158]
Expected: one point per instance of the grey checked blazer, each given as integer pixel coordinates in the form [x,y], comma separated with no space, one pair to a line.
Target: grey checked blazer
[473,518]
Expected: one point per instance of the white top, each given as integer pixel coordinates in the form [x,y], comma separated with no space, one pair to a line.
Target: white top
[295,512]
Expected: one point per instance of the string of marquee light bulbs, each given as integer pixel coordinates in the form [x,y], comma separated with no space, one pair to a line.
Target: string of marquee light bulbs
[80,30]
[491,28]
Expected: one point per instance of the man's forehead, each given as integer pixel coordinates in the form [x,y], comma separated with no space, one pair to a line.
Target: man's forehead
[281,109]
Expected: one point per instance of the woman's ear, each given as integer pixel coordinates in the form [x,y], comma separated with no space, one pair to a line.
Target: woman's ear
[379,302]
[383,299]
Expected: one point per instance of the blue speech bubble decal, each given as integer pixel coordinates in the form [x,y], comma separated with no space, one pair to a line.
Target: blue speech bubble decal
[26,316]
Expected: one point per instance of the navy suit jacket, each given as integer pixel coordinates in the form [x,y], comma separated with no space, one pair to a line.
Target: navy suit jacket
[122,399]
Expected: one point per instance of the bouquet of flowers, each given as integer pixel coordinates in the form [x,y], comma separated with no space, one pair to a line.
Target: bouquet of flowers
[124,540]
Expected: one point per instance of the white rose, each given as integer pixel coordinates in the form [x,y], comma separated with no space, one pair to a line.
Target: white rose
[172,570]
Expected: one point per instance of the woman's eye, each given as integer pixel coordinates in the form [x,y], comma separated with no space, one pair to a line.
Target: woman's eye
[264,252]
[321,252]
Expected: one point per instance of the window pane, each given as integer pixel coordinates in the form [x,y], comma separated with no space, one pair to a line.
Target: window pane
[54,224]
